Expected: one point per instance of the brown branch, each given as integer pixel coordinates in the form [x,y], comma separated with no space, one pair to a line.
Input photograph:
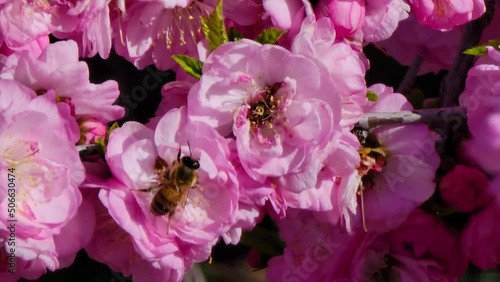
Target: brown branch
[410,75]
[371,120]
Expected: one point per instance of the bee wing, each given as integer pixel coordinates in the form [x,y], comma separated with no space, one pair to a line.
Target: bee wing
[183,202]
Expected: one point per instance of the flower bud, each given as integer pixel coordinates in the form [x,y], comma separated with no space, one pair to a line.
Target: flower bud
[464,188]
[90,130]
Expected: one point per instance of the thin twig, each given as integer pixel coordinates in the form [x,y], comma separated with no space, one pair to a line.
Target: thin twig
[86,150]
[454,83]
[410,75]
[371,120]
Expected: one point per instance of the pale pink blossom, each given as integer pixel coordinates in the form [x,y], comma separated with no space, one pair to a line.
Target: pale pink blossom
[382,18]
[209,209]
[480,98]
[346,66]
[282,108]
[90,130]
[465,189]
[76,234]
[87,22]
[93,32]
[46,169]
[397,168]
[35,47]
[253,196]
[113,246]
[59,69]
[243,12]
[24,21]
[436,48]
[174,95]
[149,32]
[446,14]
[347,15]
[358,20]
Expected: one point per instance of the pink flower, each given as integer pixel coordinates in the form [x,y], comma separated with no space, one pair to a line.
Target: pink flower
[382,18]
[35,47]
[425,236]
[45,169]
[243,12]
[398,165]
[464,188]
[346,66]
[253,195]
[59,69]
[90,130]
[114,247]
[174,95]
[208,209]
[374,20]
[284,13]
[282,108]
[151,31]
[76,234]
[318,251]
[480,98]
[93,33]
[24,21]
[479,238]
[347,15]
[446,14]
[88,22]
[437,48]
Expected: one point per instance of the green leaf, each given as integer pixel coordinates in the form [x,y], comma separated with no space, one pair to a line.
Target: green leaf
[191,65]
[263,240]
[114,126]
[100,147]
[101,143]
[234,34]
[213,27]
[481,49]
[371,96]
[270,36]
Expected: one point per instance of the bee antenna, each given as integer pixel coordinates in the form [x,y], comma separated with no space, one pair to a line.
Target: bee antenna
[189,146]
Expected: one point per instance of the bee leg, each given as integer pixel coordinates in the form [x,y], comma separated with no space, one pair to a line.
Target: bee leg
[143,190]
[152,188]
[170,215]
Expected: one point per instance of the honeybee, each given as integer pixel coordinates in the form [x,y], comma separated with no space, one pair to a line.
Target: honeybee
[173,184]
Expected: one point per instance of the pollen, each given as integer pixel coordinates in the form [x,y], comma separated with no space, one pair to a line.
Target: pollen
[265,109]
[182,26]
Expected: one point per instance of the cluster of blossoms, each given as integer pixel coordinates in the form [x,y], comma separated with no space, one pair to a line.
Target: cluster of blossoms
[258,123]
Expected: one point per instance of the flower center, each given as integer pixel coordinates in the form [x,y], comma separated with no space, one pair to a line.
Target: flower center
[265,108]
[373,157]
[15,151]
[183,24]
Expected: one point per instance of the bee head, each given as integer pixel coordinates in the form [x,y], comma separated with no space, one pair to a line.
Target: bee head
[190,162]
